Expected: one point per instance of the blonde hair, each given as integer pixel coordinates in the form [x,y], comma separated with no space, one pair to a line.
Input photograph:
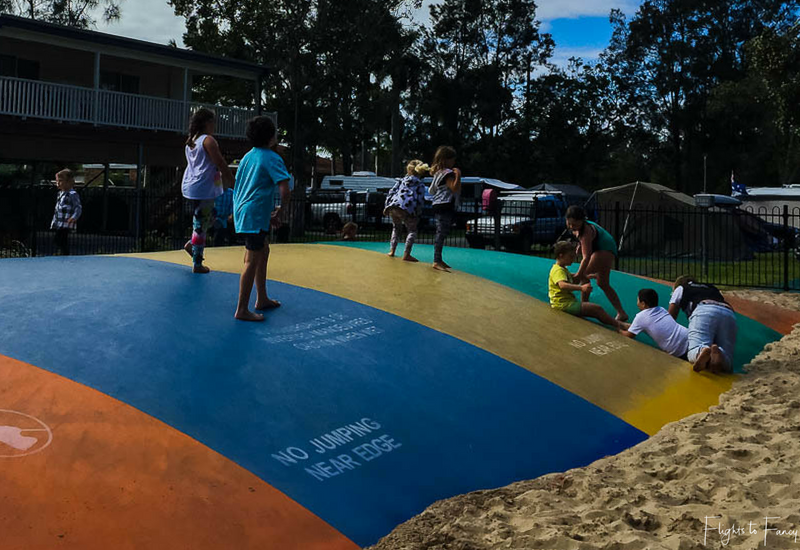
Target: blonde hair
[417,168]
[443,153]
[67,174]
[562,247]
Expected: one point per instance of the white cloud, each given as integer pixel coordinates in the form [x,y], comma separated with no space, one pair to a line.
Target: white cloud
[151,20]
[571,9]
[588,54]
[547,10]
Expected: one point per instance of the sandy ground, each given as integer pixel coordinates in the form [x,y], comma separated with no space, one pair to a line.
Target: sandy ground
[740,462]
[788,300]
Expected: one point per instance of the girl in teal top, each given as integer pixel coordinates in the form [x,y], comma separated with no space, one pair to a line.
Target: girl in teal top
[598,250]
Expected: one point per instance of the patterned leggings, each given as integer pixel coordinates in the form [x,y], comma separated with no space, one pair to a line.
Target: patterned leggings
[202,219]
[444,219]
[400,218]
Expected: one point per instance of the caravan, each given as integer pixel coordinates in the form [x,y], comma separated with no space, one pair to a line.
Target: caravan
[359,181]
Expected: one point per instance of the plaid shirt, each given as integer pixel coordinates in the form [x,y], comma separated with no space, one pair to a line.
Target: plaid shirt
[68,205]
[224,207]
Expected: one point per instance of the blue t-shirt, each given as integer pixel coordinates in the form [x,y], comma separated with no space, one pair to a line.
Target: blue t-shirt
[259,173]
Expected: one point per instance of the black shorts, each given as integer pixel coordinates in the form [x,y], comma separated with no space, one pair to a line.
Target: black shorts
[256,241]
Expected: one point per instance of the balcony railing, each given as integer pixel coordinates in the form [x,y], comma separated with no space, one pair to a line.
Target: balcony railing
[46,100]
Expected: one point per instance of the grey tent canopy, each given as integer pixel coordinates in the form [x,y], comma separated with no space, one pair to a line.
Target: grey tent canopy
[648,219]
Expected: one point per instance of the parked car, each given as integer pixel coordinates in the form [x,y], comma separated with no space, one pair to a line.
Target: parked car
[470,205]
[525,219]
[332,210]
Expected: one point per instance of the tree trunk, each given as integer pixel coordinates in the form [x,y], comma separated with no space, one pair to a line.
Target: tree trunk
[397,136]
[347,159]
[297,207]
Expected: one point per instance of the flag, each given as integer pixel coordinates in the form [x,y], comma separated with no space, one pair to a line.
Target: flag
[737,189]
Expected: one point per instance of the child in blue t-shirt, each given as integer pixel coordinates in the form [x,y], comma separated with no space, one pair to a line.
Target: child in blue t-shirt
[261,171]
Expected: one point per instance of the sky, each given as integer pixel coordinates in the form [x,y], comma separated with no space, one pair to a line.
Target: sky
[580,28]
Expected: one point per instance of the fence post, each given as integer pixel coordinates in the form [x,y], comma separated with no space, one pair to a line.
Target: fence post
[704,229]
[106,168]
[786,245]
[139,235]
[616,234]
[496,216]
[33,218]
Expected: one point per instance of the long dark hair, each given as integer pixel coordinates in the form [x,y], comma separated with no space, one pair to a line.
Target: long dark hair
[443,153]
[198,122]
[576,213]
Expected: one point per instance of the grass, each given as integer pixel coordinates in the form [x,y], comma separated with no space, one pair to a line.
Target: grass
[765,270]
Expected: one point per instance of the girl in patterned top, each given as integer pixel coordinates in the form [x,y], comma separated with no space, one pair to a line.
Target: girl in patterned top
[404,204]
[446,191]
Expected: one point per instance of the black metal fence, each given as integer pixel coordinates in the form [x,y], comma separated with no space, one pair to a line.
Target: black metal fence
[729,247]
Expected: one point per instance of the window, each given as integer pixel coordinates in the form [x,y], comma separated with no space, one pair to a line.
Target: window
[19,68]
[118,82]
[337,183]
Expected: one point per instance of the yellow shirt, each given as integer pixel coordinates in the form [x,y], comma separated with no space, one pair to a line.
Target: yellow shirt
[559,299]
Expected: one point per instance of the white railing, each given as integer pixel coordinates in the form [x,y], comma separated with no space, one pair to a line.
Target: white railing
[36,99]
[30,98]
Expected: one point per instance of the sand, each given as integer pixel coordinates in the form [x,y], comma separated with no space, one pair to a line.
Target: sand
[740,461]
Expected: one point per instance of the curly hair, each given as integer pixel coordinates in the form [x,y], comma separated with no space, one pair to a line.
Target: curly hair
[260,131]
[561,247]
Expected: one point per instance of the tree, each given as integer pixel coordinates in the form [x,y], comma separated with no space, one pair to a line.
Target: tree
[475,62]
[73,13]
[676,52]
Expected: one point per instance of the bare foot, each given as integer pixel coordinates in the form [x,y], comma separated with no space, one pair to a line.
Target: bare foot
[622,317]
[200,268]
[702,361]
[718,365]
[269,304]
[248,315]
[188,248]
[440,266]
[410,259]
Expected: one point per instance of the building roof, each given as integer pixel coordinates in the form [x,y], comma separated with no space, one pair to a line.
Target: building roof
[31,26]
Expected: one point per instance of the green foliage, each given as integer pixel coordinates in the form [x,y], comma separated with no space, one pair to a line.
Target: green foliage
[72,13]
[680,81]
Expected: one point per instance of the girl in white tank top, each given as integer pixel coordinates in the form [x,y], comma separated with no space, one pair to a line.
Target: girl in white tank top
[202,182]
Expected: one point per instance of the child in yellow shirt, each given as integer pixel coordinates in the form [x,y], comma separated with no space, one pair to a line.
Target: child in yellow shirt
[561,288]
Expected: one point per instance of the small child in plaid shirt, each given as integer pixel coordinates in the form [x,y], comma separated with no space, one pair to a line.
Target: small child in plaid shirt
[68,210]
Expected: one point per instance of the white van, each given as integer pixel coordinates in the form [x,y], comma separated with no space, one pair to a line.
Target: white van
[359,181]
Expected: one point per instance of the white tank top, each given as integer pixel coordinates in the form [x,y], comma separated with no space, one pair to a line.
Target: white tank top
[201,180]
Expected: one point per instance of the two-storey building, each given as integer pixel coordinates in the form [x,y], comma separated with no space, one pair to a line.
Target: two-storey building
[78,96]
